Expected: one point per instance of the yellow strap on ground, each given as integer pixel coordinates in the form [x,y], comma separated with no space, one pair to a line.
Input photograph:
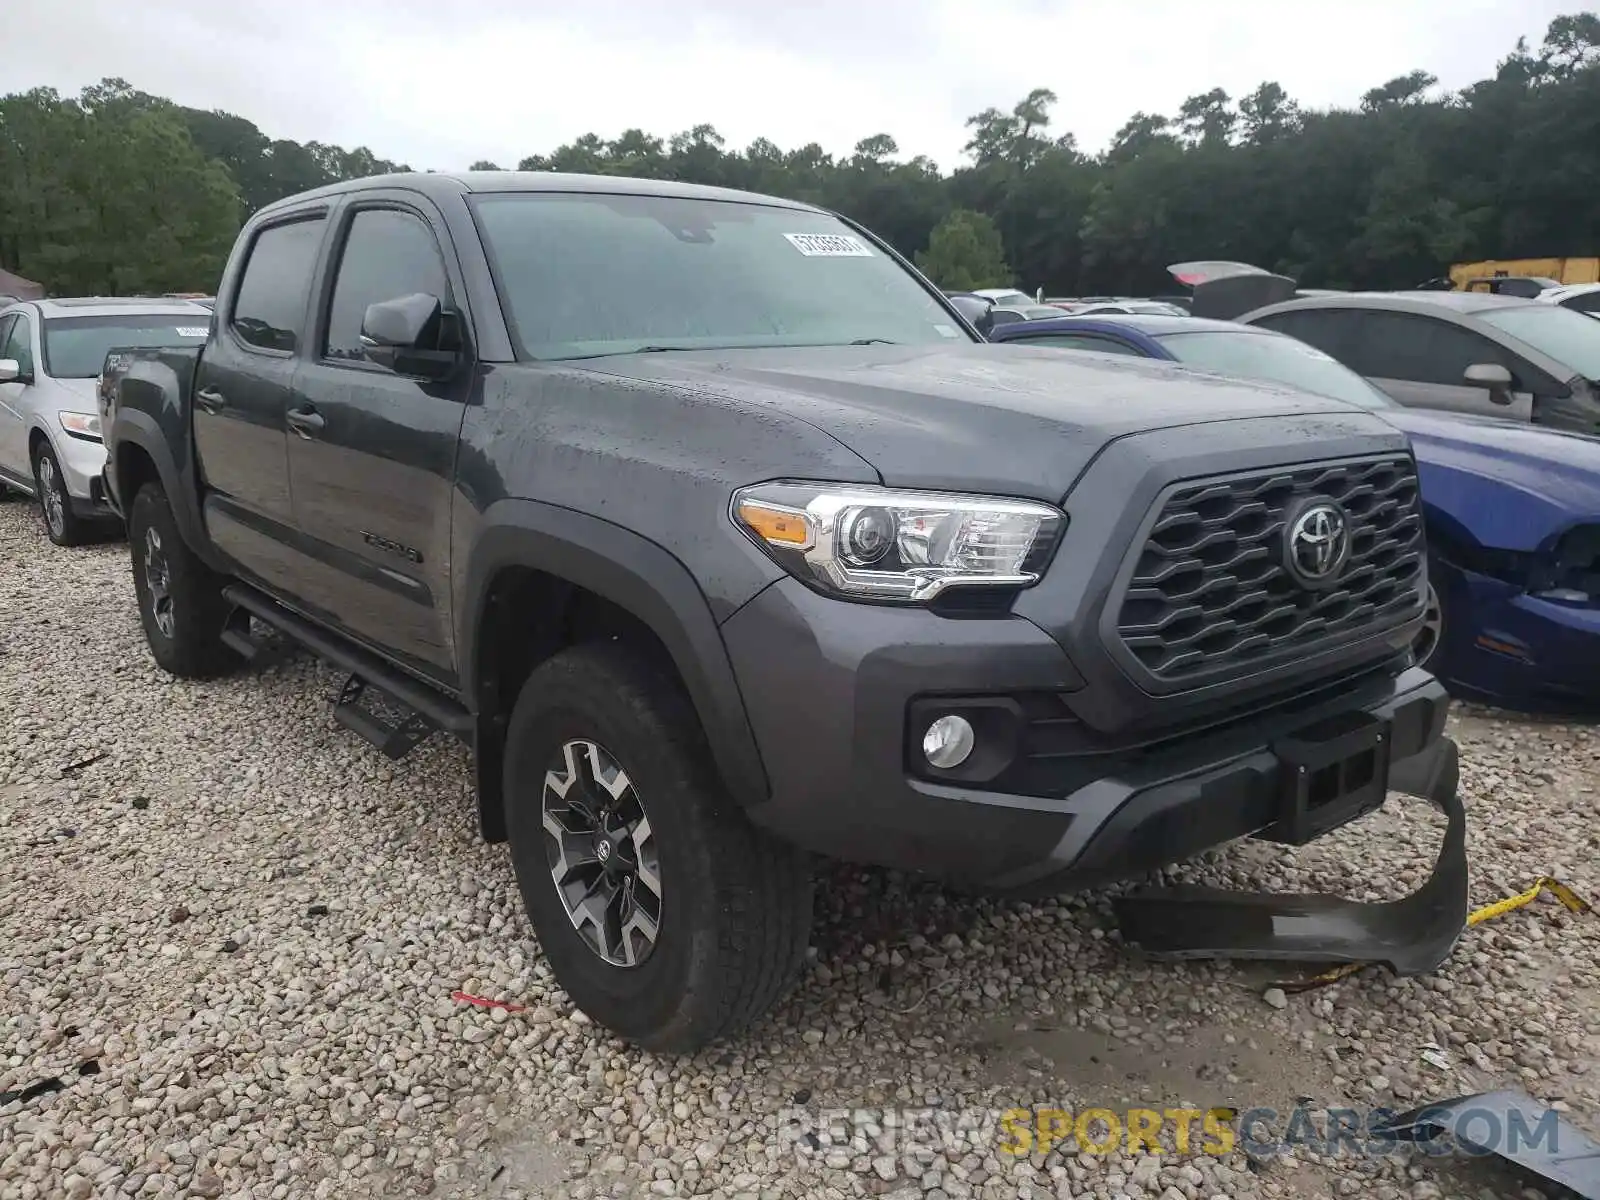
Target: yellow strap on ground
[1573,901]
[1569,898]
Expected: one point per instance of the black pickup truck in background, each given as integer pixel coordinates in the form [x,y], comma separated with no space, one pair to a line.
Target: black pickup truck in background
[722,540]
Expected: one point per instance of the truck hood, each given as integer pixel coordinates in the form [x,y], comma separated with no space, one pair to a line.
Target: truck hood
[1012,419]
[1507,484]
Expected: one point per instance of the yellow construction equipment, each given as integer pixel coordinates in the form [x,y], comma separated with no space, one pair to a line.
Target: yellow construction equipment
[1562,270]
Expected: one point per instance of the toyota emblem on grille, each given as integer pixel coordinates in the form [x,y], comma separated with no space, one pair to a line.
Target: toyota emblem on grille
[1317,544]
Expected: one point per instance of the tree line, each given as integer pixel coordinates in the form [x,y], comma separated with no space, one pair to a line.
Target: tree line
[119,191]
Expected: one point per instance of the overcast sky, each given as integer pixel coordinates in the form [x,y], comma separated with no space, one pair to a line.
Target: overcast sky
[500,79]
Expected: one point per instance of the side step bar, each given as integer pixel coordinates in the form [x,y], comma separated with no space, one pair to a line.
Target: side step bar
[423,710]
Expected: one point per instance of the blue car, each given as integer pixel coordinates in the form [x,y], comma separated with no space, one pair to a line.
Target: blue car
[1512,511]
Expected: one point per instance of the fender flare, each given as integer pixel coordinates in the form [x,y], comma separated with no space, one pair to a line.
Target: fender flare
[639,577]
[139,429]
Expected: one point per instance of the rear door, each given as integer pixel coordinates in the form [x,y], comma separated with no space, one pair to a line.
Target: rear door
[372,453]
[241,390]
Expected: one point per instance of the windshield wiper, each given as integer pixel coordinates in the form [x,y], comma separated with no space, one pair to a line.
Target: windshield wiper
[874,342]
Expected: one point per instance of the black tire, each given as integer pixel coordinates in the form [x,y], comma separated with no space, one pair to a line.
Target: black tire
[734,904]
[61,525]
[184,616]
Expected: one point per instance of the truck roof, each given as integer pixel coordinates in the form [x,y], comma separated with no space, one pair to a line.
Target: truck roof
[435,184]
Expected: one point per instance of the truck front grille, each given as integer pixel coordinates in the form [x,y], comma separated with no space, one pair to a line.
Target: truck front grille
[1210,596]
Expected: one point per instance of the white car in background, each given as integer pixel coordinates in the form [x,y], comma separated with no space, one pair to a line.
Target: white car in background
[51,352]
[1005,297]
[1137,308]
[1580,297]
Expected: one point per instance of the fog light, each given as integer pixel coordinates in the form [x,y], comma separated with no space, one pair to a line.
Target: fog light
[948,742]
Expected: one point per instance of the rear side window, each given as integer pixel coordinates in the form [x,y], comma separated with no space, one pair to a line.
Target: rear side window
[270,307]
[1327,329]
[388,254]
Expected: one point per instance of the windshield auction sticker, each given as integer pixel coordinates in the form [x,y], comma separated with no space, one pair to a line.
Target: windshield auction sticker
[828,245]
[195,331]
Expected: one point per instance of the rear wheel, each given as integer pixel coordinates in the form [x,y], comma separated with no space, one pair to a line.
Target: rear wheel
[180,598]
[665,915]
[63,526]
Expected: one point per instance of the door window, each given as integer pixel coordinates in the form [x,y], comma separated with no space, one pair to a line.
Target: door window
[18,344]
[1417,349]
[270,307]
[388,254]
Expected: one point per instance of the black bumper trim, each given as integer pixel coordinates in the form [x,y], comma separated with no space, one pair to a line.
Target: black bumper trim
[1412,935]
[1168,810]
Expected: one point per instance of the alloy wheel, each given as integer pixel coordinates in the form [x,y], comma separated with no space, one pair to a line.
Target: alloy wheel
[158,582]
[1426,644]
[50,499]
[602,853]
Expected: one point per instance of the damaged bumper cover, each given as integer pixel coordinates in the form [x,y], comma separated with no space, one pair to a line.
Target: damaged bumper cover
[1412,935]
[1513,1126]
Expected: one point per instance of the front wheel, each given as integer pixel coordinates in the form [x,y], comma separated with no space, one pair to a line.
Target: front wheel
[63,526]
[666,916]
[180,598]
[1426,645]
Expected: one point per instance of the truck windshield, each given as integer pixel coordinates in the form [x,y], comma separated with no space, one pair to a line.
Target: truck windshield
[1276,359]
[75,347]
[584,275]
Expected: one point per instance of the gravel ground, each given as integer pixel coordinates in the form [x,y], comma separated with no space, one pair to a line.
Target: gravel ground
[231,932]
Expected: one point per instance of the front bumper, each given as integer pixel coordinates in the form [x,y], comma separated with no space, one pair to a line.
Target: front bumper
[832,688]
[1513,648]
[82,463]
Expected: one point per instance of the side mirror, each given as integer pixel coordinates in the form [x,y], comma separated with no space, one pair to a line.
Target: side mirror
[10,370]
[978,311]
[1493,377]
[405,334]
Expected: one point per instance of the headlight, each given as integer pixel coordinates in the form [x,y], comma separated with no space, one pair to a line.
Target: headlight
[82,424]
[881,544]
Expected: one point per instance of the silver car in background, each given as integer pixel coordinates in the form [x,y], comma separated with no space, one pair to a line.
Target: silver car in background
[1471,352]
[51,352]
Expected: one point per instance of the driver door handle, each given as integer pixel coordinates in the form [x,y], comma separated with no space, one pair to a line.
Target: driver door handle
[305,421]
[210,400]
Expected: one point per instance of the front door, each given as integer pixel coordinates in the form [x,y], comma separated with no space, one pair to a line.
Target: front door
[241,390]
[15,343]
[1422,362]
[372,453]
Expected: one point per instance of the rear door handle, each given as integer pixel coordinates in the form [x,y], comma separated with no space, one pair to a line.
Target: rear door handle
[307,421]
[210,400]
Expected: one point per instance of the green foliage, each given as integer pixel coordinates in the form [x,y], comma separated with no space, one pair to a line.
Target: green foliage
[119,190]
[965,252]
[110,194]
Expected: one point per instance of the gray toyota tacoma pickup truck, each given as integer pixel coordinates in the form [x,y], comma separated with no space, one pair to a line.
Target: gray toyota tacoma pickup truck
[724,541]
